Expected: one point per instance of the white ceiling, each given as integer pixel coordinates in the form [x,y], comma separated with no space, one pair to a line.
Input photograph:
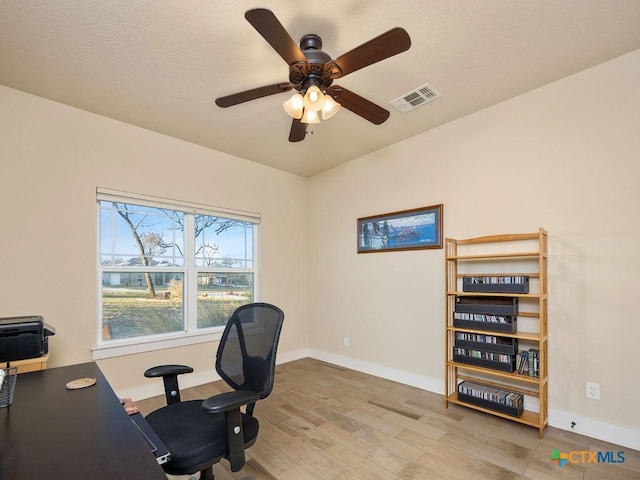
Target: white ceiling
[160,64]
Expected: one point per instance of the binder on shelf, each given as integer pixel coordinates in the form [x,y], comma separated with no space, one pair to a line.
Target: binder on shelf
[506,306]
[480,358]
[523,362]
[499,400]
[528,363]
[491,343]
[533,364]
[495,284]
[493,323]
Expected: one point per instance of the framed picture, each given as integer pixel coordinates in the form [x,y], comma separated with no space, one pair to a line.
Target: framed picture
[415,229]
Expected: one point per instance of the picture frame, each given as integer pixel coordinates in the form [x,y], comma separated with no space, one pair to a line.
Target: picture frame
[415,229]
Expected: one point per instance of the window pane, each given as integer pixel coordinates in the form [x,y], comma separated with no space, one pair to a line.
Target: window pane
[219,294]
[132,235]
[138,303]
[223,242]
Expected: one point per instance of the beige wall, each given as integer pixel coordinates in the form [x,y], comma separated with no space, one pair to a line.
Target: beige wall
[565,157]
[52,159]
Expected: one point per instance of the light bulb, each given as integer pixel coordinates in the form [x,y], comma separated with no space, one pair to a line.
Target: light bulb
[310,116]
[314,99]
[294,106]
[329,108]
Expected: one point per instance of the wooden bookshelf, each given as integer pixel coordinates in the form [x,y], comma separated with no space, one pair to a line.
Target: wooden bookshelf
[516,255]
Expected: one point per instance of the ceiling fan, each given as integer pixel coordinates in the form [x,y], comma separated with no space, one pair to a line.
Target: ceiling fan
[312,72]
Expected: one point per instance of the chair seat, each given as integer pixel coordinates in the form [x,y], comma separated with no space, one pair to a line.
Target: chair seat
[195,439]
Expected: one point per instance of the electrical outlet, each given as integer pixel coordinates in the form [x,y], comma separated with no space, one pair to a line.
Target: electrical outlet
[593,391]
[345,341]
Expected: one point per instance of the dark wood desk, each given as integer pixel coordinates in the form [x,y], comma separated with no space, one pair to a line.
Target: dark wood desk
[52,432]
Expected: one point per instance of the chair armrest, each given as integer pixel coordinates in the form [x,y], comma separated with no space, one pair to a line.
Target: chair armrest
[229,400]
[162,370]
[229,403]
[169,374]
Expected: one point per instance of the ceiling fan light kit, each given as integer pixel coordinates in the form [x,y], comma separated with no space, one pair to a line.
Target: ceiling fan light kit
[305,108]
[312,72]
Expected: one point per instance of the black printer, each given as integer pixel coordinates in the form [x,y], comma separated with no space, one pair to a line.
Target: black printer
[24,337]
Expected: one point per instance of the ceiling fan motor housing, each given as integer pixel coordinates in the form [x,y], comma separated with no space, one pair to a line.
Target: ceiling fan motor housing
[313,71]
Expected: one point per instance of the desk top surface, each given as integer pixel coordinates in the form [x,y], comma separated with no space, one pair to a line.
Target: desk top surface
[52,432]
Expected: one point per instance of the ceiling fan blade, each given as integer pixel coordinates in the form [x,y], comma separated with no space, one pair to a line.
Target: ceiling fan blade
[383,46]
[298,131]
[358,105]
[267,25]
[247,95]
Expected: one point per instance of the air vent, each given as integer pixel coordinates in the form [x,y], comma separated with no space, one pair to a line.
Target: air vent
[415,98]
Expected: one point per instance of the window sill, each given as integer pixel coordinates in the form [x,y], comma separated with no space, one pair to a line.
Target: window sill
[142,345]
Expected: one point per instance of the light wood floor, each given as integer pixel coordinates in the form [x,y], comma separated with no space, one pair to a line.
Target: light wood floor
[324,422]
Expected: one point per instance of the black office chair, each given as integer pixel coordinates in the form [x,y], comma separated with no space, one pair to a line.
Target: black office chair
[199,433]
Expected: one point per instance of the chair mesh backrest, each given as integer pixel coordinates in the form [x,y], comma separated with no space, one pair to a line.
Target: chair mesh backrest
[246,357]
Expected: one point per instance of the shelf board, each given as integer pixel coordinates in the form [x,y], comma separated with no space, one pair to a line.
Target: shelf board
[499,274]
[532,336]
[497,373]
[509,237]
[491,294]
[493,256]
[528,417]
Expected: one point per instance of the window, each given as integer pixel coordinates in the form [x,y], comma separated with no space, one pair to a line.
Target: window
[170,269]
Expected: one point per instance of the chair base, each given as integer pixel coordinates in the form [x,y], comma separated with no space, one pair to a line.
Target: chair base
[206,474]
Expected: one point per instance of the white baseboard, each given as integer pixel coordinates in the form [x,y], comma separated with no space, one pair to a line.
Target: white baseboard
[617,434]
[291,356]
[624,436]
[399,376]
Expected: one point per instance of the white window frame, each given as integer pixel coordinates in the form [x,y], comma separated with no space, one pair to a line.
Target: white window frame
[191,334]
